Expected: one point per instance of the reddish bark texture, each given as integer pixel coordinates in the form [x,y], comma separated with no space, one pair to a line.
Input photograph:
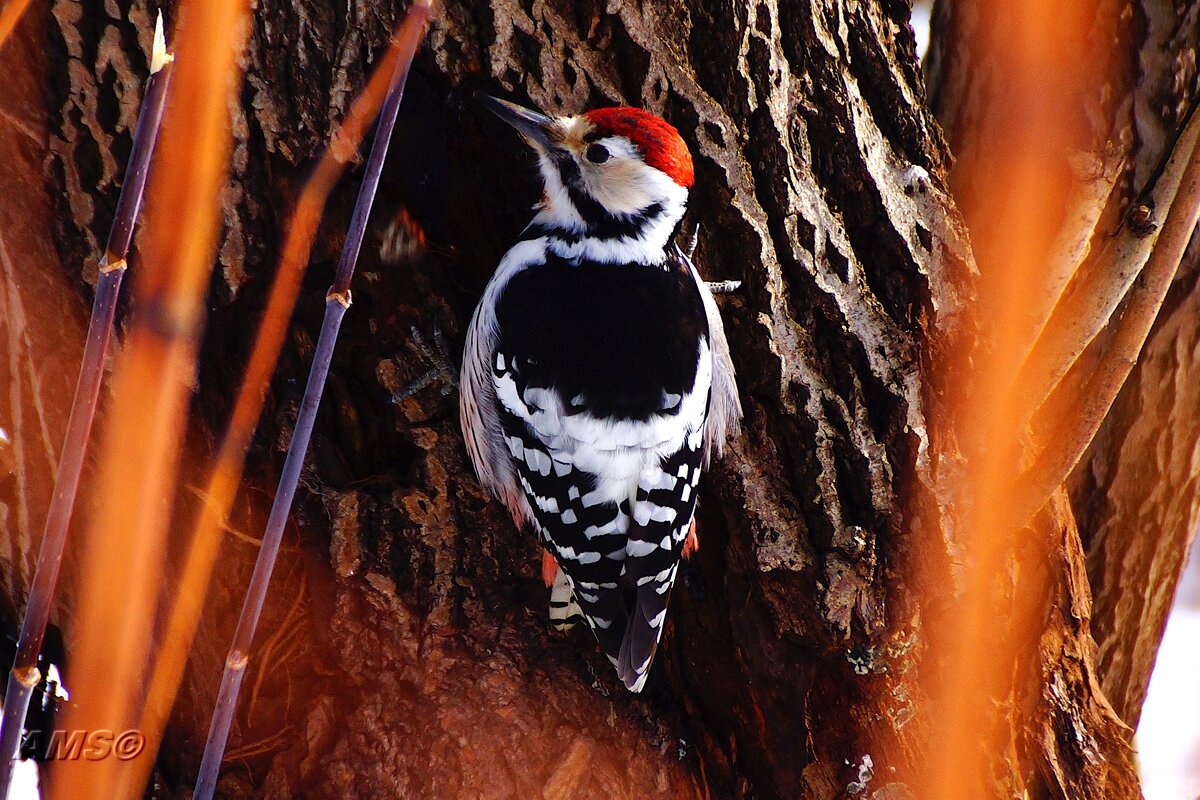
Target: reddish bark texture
[1133,494]
[42,317]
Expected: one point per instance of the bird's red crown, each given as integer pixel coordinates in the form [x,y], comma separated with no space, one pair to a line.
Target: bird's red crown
[660,144]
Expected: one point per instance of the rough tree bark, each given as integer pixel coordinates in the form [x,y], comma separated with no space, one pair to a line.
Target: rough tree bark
[404,651]
[36,367]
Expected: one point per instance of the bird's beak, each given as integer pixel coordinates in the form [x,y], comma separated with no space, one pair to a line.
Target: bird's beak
[533,126]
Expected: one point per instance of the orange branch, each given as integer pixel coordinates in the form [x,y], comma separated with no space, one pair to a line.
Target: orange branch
[10,16]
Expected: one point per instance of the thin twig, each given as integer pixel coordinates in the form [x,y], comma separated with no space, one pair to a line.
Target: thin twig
[240,535]
[285,632]
[24,675]
[227,467]
[275,742]
[336,302]
[1068,443]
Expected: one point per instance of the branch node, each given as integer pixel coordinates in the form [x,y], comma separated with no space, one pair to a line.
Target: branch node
[107,266]
[341,297]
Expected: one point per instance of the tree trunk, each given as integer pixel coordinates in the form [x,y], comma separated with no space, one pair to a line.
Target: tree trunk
[42,322]
[405,650]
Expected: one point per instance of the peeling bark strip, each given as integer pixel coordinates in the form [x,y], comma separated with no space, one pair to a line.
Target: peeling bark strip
[424,666]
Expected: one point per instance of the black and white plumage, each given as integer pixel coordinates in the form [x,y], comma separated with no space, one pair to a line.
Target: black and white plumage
[597,382]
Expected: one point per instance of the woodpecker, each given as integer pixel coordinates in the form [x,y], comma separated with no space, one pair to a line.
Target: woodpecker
[597,383]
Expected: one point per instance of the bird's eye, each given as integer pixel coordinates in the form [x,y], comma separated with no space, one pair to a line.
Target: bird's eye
[596,153]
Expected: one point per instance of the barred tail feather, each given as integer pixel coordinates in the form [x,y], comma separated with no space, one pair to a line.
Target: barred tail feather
[643,632]
[565,612]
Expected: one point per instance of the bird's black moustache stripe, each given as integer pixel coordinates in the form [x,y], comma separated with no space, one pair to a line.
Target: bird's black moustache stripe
[568,169]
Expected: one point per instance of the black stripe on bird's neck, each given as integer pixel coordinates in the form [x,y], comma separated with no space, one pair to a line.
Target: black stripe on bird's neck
[605,228]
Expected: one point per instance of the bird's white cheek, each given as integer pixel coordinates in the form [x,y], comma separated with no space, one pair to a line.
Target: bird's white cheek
[625,200]
[620,190]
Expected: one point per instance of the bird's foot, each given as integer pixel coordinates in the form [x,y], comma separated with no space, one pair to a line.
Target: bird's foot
[723,287]
[688,250]
[693,241]
[442,369]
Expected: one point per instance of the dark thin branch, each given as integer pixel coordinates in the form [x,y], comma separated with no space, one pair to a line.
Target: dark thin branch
[226,472]
[24,675]
[336,303]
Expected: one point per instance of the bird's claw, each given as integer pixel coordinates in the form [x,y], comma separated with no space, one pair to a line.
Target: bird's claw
[723,287]
[442,370]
